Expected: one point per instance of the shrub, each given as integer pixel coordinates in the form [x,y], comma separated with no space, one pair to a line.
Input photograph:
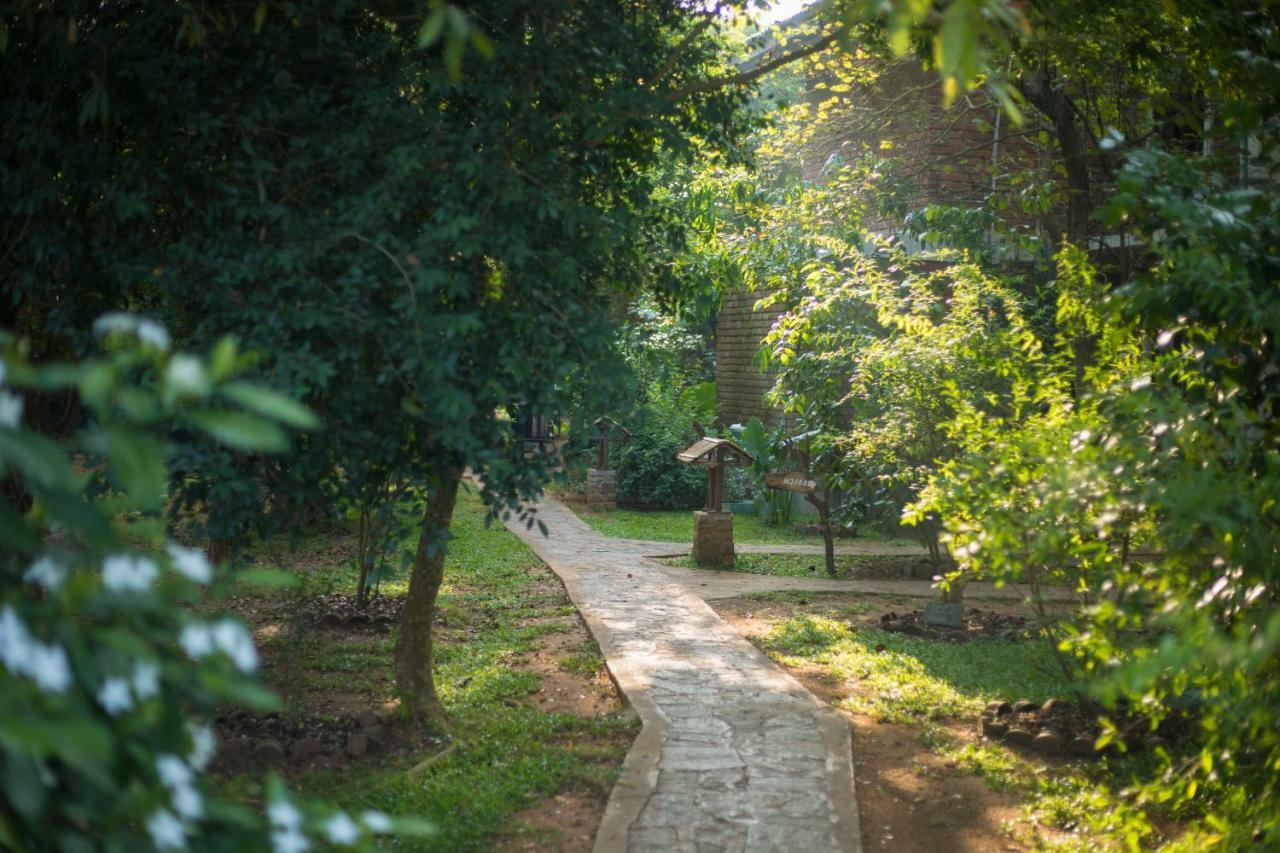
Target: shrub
[107,673]
[649,475]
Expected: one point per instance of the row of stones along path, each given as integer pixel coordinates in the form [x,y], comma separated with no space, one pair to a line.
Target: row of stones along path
[734,754]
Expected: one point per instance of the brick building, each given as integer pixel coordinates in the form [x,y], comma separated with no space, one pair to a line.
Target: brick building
[957,157]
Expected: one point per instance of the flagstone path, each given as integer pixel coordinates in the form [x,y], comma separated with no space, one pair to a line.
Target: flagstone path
[734,754]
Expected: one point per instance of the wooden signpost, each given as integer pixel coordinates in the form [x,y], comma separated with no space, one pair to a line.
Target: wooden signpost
[792,481]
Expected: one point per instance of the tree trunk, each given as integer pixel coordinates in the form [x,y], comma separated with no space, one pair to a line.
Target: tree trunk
[414,679]
[828,539]
[1051,98]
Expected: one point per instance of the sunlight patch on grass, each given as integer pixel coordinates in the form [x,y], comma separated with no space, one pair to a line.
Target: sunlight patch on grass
[911,679]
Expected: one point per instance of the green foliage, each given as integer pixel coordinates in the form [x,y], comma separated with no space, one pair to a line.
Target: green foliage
[449,249]
[649,475]
[1160,441]
[108,675]
[876,357]
[769,454]
[667,362]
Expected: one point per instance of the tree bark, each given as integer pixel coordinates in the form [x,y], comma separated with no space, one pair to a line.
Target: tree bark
[1051,98]
[828,543]
[415,681]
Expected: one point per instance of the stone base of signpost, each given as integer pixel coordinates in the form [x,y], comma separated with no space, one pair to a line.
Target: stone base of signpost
[713,539]
[602,488]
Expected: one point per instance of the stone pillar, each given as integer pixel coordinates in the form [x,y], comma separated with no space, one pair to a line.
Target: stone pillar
[602,488]
[713,539]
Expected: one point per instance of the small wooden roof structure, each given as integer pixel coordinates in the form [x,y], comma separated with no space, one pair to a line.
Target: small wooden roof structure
[715,452]
[604,423]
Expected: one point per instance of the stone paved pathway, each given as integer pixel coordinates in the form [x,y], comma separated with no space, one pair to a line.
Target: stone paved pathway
[734,754]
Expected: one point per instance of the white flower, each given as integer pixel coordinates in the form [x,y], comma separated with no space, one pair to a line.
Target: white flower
[116,321]
[376,821]
[190,563]
[173,771]
[114,696]
[231,637]
[22,654]
[15,642]
[203,746]
[151,332]
[146,679]
[10,409]
[185,376]
[289,841]
[284,814]
[147,331]
[196,640]
[167,832]
[341,829]
[128,573]
[46,572]
[188,802]
[50,668]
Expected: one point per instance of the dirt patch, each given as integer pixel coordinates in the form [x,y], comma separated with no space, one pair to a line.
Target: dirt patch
[572,677]
[910,798]
[330,661]
[565,823]
[1070,728]
[976,623]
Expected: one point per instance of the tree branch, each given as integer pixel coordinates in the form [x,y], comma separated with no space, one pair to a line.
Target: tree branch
[708,19]
[744,77]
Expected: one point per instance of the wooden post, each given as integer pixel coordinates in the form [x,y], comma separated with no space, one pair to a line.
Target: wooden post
[715,497]
[602,453]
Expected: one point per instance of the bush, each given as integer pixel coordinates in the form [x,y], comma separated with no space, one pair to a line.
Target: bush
[107,673]
[649,475]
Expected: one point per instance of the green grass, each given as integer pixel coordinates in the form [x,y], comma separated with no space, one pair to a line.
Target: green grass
[848,566]
[912,679]
[677,526]
[503,754]
[585,661]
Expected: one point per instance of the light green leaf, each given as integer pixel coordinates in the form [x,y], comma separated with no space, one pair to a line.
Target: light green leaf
[137,465]
[271,404]
[241,431]
[431,27]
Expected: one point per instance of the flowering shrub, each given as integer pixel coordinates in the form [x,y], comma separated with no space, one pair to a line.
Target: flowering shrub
[106,671]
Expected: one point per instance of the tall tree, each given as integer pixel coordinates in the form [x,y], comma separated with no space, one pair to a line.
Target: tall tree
[415,252]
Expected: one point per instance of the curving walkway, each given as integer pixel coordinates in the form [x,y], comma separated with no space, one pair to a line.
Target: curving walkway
[734,754]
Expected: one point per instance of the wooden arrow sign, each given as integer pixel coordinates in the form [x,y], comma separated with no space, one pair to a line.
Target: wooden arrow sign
[792,481]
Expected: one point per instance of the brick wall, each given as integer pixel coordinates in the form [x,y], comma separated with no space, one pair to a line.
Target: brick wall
[740,387]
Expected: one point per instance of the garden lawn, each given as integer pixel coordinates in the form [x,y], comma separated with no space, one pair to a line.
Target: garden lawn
[534,719]
[676,525]
[848,566]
